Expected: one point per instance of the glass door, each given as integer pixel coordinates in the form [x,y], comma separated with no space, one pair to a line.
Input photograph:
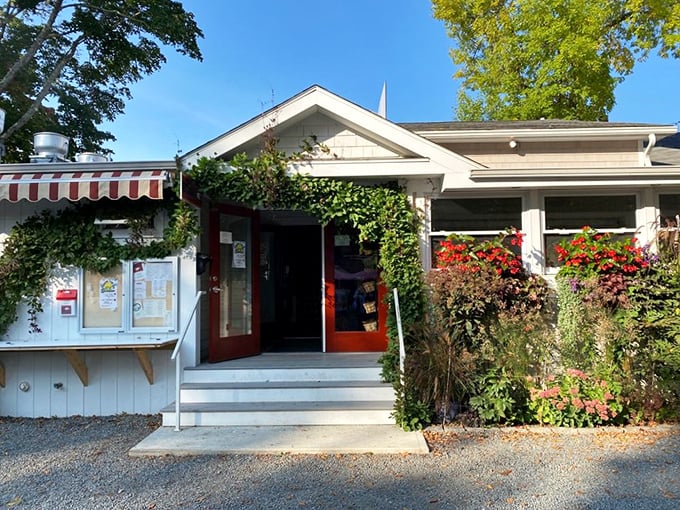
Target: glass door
[234,284]
[355,312]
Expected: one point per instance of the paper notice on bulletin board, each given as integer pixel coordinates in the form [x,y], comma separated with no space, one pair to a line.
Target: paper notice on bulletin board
[149,308]
[108,293]
[239,255]
[140,289]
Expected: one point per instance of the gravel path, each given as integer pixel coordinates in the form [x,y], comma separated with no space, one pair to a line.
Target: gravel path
[82,463]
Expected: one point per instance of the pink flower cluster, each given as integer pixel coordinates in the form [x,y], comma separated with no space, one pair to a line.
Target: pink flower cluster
[575,398]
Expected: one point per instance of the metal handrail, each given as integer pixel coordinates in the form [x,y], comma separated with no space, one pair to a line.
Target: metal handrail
[402,349]
[177,357]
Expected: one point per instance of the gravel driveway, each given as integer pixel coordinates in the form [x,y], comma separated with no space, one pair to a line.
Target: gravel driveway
[82,463]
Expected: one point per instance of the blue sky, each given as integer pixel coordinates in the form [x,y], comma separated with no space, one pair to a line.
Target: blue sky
[259,53]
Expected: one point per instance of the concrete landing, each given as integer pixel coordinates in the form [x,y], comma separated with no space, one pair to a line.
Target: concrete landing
[298,439]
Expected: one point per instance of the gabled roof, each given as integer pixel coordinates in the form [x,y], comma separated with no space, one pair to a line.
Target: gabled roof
[428,157]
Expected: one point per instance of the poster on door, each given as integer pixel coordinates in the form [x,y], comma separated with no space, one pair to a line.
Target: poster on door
[238,260]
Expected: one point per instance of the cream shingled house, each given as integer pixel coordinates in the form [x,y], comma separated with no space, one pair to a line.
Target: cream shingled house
[288,294]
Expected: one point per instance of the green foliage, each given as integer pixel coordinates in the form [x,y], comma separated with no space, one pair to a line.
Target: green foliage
[651,360]
[578,345]
[410,413]
[67,66]
[532,59]
[500,398]
[576,399]
[36,247]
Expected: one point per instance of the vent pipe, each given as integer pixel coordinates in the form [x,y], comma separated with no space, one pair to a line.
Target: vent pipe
[91,157]
[49,147]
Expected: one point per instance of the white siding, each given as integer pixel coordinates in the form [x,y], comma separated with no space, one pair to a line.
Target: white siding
[117,384]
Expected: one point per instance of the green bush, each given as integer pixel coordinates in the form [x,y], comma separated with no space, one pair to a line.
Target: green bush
[500,398]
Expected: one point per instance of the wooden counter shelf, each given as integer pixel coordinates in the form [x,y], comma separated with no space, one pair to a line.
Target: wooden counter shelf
[77,362]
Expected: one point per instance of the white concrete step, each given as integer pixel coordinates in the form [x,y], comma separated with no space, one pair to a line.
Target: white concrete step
[286,391]
[203,374]
[281,413]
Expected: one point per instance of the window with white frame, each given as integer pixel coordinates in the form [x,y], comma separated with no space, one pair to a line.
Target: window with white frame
[565,216]
[669,210]
[482,218]
[668,224]
[135,296]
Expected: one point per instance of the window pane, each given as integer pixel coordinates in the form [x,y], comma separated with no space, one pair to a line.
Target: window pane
[467,214]
[356,283]
[670,208]
[154,294]
[236,257]
[103,299]
[598,212]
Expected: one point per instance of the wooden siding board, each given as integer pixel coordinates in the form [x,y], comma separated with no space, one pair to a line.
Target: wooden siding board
[58,395]
[109,369]
[551,154]
[25,401]
[127,366]
[93,397]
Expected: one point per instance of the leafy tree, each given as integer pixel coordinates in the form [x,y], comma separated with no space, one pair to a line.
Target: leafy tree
[67,65]
[527,59]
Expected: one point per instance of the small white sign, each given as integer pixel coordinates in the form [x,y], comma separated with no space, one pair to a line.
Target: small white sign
[342,240]
[225,238]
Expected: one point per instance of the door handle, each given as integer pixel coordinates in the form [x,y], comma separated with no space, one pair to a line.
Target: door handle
[215,289]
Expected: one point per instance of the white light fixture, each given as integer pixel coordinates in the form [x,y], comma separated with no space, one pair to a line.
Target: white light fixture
[513,144]
[2,120]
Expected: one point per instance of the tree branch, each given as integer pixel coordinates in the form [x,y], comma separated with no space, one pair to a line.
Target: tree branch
[47,86]
[31,51]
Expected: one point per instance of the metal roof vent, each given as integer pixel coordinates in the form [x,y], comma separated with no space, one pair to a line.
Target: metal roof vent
[49,147]
[91,157]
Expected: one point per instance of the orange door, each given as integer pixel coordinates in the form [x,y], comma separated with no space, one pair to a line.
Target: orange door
[356,316]
[234,284]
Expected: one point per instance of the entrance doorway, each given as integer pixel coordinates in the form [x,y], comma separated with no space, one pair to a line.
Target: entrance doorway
[290,282]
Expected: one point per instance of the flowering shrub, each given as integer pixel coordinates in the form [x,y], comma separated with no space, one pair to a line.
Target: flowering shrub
[575,399]
[468,254]
[592,253]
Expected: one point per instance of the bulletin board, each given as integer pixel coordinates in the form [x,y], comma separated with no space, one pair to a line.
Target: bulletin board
[103,299]
[154,294]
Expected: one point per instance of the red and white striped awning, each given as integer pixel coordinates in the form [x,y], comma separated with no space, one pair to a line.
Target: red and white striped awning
[74,186]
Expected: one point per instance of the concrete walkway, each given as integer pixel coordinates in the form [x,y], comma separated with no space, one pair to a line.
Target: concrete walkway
[300,439]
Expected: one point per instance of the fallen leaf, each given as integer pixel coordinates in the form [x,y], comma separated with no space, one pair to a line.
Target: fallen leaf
[506,472]
[15,501]
[509,501]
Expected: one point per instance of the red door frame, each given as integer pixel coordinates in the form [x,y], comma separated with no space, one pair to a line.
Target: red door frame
[350,341]
[240,346]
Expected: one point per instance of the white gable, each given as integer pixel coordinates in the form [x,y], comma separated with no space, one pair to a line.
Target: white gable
[361,143]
